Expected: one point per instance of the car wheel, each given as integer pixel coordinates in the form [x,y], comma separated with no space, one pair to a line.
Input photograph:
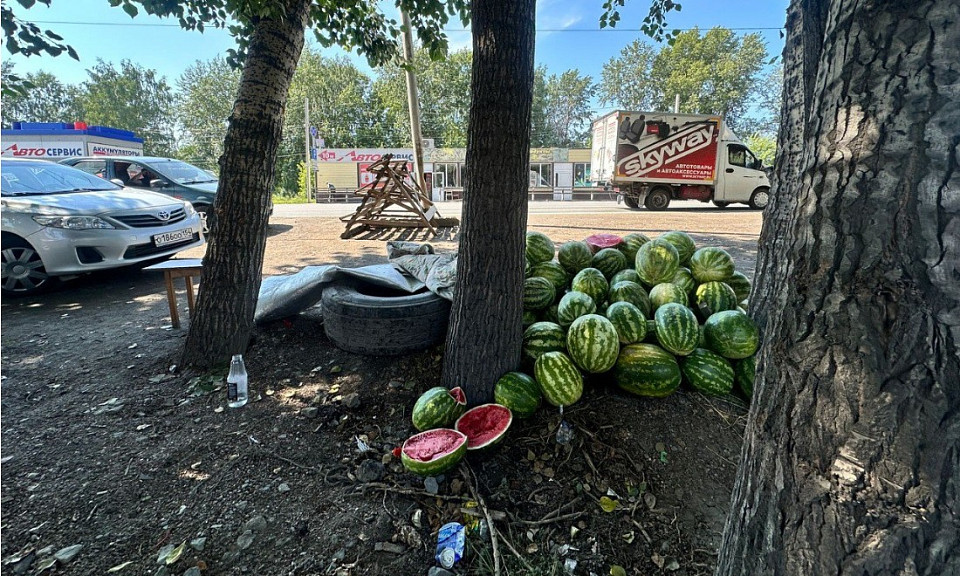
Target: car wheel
[23,271]
[760,198]
[203,210]
[658,199]
[719,204]
[375,321]
[631,201]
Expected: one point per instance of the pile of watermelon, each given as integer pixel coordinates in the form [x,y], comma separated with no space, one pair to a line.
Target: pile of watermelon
[653,313]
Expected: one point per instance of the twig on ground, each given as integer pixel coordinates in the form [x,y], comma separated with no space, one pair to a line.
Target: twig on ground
[506,541]
[546,520]
[494,537]
[310,469]
[407,491]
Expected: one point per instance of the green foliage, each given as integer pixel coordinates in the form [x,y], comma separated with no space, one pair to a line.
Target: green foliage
[764,146]
[567,107]
[206,91]
[626,81]
[45,99]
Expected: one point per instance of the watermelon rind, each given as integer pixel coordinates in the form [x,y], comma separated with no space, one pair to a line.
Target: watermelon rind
[484,414]
[707,372]
[657,261]
[529,317]
[574,256]
[549,314]
[647,370]
[744,374]
[627,274]
[538,293]
[436,463]
[684,279]
[539,248]
[593,283]
[598,242]
[541,337]
[712,297]
[682,242]
[627,291]
[731,334]
[519,392]
[554,272]
[574,305]
[629,321]
[609,261]
[559,379]
[631,243]
[666,293]
[740,284]
[677,328]
[593,343]
[438,407]
[710,264]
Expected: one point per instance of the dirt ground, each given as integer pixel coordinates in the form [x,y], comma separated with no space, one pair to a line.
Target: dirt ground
[106,448]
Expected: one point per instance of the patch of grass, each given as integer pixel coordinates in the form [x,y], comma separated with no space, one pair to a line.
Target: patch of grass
[298,199]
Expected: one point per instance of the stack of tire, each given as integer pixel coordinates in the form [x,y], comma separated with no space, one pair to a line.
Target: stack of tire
[653,313]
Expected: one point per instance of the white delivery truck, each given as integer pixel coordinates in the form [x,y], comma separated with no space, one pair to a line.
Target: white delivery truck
[655,157]
[58,140]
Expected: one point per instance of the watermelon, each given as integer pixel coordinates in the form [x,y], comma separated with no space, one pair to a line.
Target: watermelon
[684,279]
[539,249]
[598,242]
[541,337]
[625,275]
[574,305]
[529,317]
[631,292]
[591,282]
[708,372]
[433,452]
[647,370]
[484,425]
[713,297]
[677,328]
[438,408]
[549,314]
[631,243]
[553,272]
[657,261]
[559,379]
[609,261]
[574,256]
[740,284]
[682,242]
[526,268]
[538,293]
[518,392]
[711,263]
[665,293]
[731,334]
[593,343]
[629,321]
[744,373]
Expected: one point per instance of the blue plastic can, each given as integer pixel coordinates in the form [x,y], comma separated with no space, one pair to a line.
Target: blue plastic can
[450,542]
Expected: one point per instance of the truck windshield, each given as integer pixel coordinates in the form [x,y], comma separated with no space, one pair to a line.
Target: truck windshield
[38,178]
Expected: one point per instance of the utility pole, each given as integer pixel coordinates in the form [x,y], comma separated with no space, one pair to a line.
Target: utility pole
[413,102]
[306,135]
[676,104]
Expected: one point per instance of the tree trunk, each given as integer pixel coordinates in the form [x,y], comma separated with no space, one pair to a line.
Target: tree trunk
[851,461]
[483,340]
[234,258]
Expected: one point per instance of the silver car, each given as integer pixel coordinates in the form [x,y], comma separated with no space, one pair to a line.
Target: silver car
[60,221]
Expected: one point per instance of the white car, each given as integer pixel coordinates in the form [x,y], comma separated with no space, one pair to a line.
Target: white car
[60,221]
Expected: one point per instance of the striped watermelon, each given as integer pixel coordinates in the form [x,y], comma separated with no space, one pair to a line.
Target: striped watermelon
[657,262]
[559,379]
[538,293]
[677,328]
[574,256]
[647,370]
[707,372]
[518,392]
[591,282]
[744,373]
[684,279]
[574,305]
[629,321]
[731,334]
[540,248]
[526,268]
[549,314]
[593,343]
[633,293]
[631,243]
[711,263]
[682,242]
[665,293]
[542,337]
[433,452]
[740,284]
[625,275]
[438,408]
[529,317]
[484,425]
[713,297]
[609,261]
[553,272]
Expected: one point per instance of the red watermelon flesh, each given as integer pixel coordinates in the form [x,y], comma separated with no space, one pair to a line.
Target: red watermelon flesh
[426,446]
[484,425]
[459,396]
[598,242]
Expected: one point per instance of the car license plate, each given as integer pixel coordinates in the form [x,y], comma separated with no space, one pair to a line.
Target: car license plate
[172,237]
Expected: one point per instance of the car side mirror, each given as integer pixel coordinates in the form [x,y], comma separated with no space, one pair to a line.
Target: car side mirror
[117,181]
[158,183]
[757,164]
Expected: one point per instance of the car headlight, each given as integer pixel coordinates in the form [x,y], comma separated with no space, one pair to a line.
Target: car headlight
[73,222]
[189,209]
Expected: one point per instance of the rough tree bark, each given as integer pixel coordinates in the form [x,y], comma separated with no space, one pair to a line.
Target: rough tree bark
[483,340]
[851,462]
[234,258]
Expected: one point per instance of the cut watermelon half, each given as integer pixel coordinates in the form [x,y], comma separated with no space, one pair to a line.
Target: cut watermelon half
[484,425]
[433,452]
[598,242]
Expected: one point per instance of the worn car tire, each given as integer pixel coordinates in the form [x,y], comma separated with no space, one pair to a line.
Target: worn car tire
[381,322]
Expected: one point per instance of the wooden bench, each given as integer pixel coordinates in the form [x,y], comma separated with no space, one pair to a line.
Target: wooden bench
[186,268]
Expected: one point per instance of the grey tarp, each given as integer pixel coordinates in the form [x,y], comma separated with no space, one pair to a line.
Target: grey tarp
[412,267]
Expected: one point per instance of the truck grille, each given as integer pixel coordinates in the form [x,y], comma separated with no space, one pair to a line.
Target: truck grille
[141,250]
[151,220]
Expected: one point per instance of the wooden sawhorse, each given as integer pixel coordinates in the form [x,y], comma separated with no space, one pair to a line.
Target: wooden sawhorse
[186,268]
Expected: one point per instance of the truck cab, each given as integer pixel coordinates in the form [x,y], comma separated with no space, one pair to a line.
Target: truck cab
[741,178]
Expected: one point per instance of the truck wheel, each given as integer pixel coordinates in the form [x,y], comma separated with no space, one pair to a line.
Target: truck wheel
[720,204]
[760,198]
[657,200]
[631,201]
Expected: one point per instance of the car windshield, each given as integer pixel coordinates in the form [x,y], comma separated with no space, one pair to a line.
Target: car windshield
[183,173]
[33,179]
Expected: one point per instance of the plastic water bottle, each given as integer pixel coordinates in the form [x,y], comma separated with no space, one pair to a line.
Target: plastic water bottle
[237,382]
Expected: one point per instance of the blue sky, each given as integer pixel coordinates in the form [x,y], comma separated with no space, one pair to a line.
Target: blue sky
[567,37]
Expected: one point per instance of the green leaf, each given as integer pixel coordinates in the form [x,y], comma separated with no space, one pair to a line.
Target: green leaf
[131,10]
[617,571]
[176,553]
[608,504]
